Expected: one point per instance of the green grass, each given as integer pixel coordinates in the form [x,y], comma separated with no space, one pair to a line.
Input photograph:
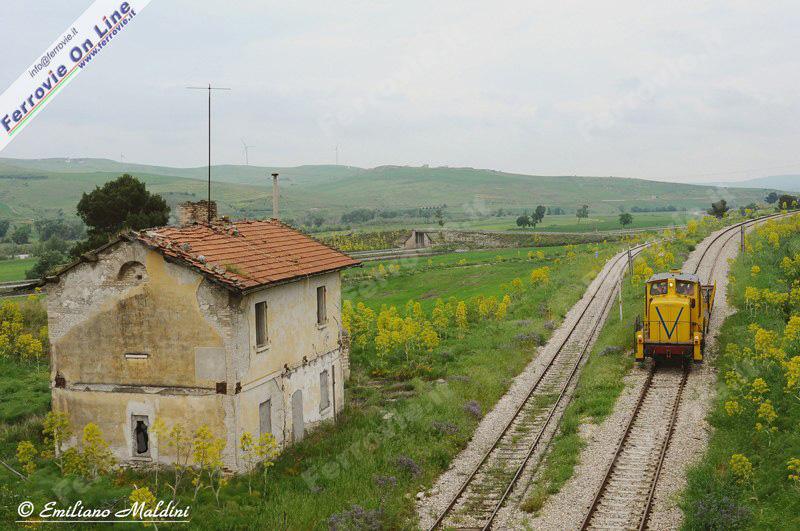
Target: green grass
[15,269]
[38,187]
[339,466]
[462,275]
[561,223]
[714,499]
[26,394]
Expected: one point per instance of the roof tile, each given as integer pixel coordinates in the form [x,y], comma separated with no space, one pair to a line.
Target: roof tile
[246,254]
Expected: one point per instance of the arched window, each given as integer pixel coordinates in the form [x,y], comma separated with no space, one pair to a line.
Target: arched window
[132,272]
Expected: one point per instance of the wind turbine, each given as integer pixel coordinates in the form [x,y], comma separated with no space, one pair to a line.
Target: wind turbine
[246,153]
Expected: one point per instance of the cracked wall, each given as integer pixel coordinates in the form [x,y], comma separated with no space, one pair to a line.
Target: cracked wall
[195,334]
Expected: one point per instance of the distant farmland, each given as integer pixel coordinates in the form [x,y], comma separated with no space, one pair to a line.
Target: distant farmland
[40,188]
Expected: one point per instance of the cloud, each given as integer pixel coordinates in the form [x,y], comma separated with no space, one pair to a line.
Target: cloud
[647,90]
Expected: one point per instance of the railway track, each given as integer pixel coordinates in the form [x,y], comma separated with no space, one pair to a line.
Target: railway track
[486,489]
[728,235]
[625,496]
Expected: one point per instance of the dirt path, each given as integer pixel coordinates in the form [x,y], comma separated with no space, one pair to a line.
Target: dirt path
[567,509]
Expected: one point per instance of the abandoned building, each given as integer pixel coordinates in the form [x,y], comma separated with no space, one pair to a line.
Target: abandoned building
[232,325]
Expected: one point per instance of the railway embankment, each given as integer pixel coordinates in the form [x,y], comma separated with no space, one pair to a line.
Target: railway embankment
[748,476]
[591,446]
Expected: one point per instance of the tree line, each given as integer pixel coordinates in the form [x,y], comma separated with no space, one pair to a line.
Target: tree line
[784,201]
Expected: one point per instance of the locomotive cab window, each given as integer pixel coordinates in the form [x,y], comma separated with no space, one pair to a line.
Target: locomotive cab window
[658,288]
[684,288]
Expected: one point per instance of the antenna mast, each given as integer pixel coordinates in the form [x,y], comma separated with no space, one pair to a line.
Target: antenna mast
[209,88]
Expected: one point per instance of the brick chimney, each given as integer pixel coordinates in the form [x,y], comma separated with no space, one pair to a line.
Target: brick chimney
[192,212]
[275,214]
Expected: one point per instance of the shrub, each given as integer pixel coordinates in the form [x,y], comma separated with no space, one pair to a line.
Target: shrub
[473,408]
[540,276]
[96,456]
[357,518]
[719,512]
[445,428]
[408,465]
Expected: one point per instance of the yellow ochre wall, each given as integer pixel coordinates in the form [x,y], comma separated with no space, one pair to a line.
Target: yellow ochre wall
[196,334]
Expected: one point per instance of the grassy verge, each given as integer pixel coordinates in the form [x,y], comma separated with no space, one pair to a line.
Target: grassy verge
[26,398]
[759,355]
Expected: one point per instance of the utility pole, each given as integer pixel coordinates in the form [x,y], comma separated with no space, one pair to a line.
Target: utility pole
[209,88]
[337,154]
[630,264]
[741,232]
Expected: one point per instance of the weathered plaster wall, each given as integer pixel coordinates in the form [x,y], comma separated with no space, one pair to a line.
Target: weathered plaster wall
[293,334]
[132,301]
[195,334]
[292,326]
[99,317]
[279,390]
[112,413]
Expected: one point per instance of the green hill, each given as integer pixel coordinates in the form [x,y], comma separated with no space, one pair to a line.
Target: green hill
[43,187]
[789,183]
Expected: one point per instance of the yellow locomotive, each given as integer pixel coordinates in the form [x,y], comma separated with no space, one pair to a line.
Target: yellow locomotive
[677,309]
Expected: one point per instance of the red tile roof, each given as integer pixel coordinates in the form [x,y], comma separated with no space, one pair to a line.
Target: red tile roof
[244,255]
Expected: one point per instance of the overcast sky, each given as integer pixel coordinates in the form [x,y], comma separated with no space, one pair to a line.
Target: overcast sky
[690,91]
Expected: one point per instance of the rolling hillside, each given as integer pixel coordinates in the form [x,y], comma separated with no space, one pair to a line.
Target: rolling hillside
[38,188]
[789,183]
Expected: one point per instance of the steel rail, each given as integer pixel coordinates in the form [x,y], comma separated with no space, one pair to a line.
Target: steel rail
[534,388]
[561,395]
[624,439]
[618,451]
[730,232]
[664,446]
[729,229]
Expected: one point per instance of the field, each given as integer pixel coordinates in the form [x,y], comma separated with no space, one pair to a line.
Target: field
[569,223]
[403,423]
[34,188]
[560,223]
[15,269]
[749,477]
[461,275]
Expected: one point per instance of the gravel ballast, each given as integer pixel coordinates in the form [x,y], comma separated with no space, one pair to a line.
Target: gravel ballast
[567,509]
[433,502]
